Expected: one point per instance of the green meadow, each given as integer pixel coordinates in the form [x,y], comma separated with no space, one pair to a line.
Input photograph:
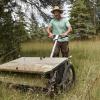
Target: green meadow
[86,61]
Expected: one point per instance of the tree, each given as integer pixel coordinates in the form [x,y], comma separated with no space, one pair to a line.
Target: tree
[81,20]
[93,6]
[10,32]
[98,16]
[39,5]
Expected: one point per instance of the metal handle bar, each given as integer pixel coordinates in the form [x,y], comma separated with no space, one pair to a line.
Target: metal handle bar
[56,37]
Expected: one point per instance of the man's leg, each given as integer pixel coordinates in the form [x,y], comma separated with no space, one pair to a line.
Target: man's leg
[64,49]
[57,50]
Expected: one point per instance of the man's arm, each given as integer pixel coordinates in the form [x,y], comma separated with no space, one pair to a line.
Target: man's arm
[49,31]
[68,31]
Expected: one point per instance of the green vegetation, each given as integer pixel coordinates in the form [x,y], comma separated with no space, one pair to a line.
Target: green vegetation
[14,28]
[81,20]
[85,19]
[10,33]
[86,63]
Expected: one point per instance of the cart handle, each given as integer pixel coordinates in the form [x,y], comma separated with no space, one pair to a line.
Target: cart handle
[56,37]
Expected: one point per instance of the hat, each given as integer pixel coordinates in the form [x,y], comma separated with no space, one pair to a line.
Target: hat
[56,8]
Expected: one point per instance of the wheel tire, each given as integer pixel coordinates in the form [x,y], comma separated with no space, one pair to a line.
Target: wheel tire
[70,75]
[69,78]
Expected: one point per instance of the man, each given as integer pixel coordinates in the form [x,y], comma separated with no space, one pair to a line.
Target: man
[59,26]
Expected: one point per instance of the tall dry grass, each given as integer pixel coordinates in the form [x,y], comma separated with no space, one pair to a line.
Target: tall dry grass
[86,61]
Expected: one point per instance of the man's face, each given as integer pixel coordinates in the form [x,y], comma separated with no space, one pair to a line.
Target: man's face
[56,14]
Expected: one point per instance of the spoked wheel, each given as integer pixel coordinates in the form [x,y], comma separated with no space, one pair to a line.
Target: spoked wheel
[68,77]
[62,79]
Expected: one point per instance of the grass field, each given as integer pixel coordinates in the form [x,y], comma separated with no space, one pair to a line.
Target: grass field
[86,61]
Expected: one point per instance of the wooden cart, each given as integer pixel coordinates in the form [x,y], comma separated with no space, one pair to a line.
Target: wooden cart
[46,73]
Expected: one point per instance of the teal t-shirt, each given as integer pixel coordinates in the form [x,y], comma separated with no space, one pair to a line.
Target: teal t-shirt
[59,27]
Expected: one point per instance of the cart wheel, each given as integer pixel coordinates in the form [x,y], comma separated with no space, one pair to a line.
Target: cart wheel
[68,77]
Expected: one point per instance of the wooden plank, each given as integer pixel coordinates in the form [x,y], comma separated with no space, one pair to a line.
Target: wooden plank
[32,64]
[25,79]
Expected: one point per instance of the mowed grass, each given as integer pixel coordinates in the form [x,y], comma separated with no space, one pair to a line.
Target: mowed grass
[86,61]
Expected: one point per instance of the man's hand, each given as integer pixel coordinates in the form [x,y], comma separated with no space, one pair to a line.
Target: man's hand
[64,34]
[50,35]
[49,31]
[67,32]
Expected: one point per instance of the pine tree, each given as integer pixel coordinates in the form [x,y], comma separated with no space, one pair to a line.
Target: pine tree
[81,19]
[10,33]
[98,16]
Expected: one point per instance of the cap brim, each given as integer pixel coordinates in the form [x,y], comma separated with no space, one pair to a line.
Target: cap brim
[61,11]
